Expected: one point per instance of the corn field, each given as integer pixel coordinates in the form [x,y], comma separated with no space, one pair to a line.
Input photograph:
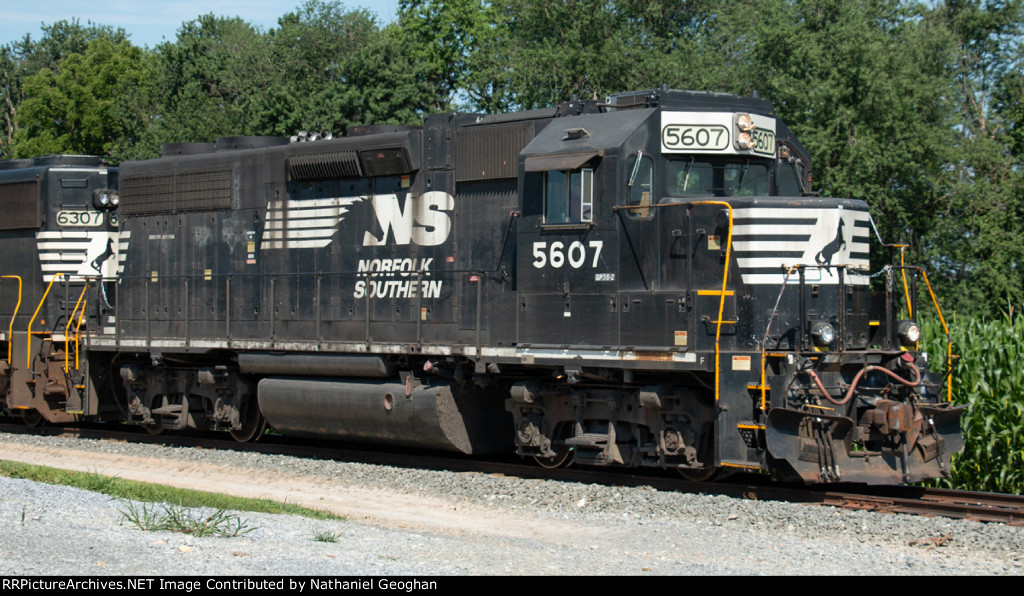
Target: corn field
[988,378]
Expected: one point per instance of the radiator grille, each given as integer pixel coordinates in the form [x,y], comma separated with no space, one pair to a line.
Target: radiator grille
[19,204]
[490,152]
[175,193]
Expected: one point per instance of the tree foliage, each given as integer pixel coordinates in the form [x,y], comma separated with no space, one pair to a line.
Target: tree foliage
[211,80]
[78,108]
[916,107]
[313,47]
[536,54]
[322,68]
[443,38]
[26,58]
[975,238]
[865,87]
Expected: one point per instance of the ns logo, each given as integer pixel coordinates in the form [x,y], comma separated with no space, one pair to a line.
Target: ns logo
[423,220]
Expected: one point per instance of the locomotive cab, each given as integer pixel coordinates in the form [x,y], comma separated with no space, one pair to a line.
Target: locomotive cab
[659,235]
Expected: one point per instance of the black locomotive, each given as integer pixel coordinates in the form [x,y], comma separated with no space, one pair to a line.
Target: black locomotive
[645,281]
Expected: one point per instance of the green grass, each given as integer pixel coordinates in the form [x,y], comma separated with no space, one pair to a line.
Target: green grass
[126,490]
[326,536]
[184,520]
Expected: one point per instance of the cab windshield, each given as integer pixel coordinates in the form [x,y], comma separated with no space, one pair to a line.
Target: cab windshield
[719,178]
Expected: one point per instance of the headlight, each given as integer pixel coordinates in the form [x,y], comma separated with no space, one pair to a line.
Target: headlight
[744,122]
[105,198]
[909,332]
[823,333]
[744,141]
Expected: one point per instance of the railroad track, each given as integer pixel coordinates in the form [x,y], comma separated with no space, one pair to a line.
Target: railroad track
[912,500]
[976,506]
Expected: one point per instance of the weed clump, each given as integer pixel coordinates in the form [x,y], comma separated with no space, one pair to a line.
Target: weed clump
[162,517]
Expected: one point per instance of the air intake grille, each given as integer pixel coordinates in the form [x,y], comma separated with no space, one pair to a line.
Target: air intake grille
[324,166]
[176,193]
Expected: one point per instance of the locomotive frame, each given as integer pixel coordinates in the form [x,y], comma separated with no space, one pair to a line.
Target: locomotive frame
[644,281]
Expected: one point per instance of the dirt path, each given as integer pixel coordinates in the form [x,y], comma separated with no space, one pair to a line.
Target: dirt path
[362,504]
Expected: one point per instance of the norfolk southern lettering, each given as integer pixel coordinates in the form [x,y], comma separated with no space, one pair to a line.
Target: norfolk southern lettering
[409,285]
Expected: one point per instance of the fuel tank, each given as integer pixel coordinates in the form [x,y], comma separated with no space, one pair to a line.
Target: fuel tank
[435,415]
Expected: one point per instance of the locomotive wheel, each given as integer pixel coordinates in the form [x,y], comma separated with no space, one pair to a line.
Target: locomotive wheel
[32,418]
[700,475]
[156,428]
[253,427]
[562,457]
[563,452]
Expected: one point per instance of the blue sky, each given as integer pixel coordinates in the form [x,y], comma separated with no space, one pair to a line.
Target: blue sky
[151,23]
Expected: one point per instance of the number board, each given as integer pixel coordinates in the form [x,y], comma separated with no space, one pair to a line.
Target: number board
[712,132]
[79,219]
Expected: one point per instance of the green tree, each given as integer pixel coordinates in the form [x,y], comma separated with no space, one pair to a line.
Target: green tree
[314,46]
[441,38]
[25,57]
[10,94]
[78,108]
[863,86]
[210,81]
[975,242]
[535,54]
[380,84]
[541,52]
[675,44]
[321,68]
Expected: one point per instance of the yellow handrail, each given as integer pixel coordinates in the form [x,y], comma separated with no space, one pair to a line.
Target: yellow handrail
[10,327]
[78,330]
[949,340]
[725,272]
[906,290]
[67,329]
[28,346]
[721,299]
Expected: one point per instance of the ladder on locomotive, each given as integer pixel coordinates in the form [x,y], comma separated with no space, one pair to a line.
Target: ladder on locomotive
[59,354]
[6,365]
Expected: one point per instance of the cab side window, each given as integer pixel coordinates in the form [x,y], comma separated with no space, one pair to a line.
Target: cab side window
[569,196]
[640,186]
[792,172]
[789,180]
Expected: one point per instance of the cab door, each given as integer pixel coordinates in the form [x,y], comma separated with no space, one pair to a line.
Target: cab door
[566,264]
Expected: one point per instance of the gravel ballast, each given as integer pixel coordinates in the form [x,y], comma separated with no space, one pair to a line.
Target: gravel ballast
[467,523]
